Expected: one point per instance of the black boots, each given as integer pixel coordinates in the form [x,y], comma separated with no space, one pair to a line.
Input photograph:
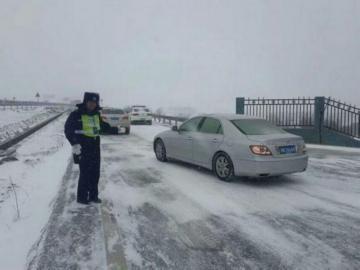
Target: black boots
[86,202]
[97,200]
[83,202]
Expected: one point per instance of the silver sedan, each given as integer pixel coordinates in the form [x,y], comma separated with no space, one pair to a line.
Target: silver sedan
[233,145]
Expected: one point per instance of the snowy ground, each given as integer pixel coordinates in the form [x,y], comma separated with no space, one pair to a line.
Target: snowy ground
[36,176]
[180,217]
[16,120]
[177,216]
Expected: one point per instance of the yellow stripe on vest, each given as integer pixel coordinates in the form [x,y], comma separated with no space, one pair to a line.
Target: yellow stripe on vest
[90,125]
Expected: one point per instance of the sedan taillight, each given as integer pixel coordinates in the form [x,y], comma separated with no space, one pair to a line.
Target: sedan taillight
[302,149]
[260,149]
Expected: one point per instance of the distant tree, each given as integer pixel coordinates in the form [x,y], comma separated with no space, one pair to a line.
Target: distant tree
[159,111]
[37,96]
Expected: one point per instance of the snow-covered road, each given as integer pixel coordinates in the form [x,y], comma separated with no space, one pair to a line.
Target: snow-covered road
[176,216]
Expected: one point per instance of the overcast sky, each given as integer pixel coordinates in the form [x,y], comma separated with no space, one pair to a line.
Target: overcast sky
[199,53]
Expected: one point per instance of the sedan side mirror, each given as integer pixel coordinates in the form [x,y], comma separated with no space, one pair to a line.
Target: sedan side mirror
[174,128]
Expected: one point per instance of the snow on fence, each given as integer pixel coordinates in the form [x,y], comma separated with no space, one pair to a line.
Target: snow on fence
[169,120]
[18,136]
[4,104]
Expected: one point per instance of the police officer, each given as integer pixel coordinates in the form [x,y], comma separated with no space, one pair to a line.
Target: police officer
[82,129]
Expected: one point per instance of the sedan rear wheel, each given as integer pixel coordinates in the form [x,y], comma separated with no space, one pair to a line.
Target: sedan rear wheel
[223,167]
[160,150]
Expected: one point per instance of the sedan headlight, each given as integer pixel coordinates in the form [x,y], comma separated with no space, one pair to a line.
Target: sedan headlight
[260,149]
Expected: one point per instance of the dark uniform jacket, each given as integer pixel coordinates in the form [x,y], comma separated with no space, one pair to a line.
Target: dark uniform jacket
[74,124]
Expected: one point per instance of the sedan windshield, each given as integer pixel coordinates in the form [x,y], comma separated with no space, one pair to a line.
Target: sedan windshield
[256,127]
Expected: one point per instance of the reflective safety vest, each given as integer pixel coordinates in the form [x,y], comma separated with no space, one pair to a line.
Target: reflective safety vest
[90,125]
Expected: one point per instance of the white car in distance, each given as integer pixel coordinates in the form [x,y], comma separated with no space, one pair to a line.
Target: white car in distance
[116,118]
[140,114]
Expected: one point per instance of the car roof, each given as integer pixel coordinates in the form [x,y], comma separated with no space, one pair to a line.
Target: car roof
[229,116]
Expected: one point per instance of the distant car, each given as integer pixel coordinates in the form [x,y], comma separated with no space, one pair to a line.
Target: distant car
[116,118]
[233,145]
[140,115]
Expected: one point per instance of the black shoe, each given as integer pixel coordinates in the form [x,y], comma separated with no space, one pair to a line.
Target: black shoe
[83,202]
[97,200]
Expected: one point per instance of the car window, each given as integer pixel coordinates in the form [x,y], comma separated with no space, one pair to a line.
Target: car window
[256,127]
[135,110]
[191,125]
[211,125]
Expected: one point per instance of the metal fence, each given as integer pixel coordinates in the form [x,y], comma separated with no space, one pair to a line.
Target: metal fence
[283,112]
[342,117]
[318,112]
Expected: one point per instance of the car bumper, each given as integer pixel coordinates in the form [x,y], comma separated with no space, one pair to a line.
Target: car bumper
[270,166]
[140,121]
[118,125]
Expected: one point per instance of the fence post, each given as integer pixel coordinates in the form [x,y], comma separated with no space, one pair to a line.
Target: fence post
[358,134]
[319,116]
[240,105]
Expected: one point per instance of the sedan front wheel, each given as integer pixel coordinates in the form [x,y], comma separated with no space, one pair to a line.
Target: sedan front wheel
[160,150]
[223,167]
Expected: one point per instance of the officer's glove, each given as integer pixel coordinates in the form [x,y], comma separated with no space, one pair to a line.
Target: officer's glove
[76,151]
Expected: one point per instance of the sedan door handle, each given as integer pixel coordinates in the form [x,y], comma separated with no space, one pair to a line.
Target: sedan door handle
[215,140]
[189,138]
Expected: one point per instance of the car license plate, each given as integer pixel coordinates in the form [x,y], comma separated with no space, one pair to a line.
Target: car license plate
[288,149]
[114,118]
[122,129]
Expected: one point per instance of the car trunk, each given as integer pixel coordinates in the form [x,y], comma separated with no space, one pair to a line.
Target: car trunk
[281,145]
[114,119]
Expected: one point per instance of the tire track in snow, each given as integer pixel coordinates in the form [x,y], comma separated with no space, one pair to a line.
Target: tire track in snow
[156,235]
[145,195]
[73,237]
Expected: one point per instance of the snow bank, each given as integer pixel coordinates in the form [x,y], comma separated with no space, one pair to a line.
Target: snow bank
[333,148]
[42,160]
[16,121]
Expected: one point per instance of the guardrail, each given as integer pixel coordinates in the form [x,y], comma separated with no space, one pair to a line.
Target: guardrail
[11,142]
[26,104]
[170,120]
